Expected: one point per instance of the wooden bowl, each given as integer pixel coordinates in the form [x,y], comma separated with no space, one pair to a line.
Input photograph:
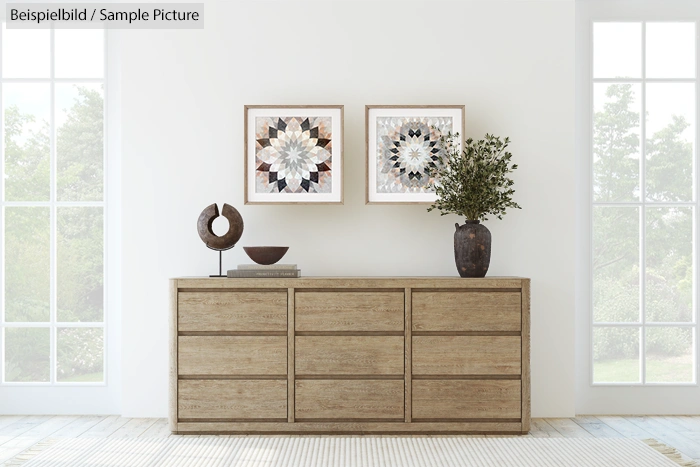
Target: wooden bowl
[265,254]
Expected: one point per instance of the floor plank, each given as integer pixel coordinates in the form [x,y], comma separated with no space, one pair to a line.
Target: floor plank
[79,426]
[22,425]
[160,429]
[625,427]
[106,427]
[32,436]
[597,428]
[6,420]
[663,433]
[569,428]
[541,429]
[133,428]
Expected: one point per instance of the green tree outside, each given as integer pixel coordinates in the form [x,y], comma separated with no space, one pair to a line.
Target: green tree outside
[79,240]
[616,263]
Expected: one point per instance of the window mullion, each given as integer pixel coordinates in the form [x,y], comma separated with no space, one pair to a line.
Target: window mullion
[2,223]
[642,214]
[696,233]
[53,217]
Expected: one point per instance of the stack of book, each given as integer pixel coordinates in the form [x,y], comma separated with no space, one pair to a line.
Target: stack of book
[261,270]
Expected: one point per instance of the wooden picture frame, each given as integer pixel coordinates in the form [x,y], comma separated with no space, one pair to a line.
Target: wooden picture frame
[293,154]
[387,180]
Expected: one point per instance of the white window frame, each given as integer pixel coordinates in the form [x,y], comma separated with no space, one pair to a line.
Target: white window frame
[55,397]
[642,397]
[643,204]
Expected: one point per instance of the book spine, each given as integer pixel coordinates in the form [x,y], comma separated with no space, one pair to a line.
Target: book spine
[265,267]
[259,273]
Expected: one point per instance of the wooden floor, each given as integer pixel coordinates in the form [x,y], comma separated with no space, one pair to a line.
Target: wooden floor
[18,433]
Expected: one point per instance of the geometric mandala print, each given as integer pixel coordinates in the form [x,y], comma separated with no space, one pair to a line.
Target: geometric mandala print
[407,151]
[293,155]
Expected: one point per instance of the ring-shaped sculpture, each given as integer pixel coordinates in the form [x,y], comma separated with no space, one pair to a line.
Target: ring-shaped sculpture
[226,241]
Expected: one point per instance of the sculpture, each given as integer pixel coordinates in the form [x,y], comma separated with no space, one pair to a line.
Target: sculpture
[226,241]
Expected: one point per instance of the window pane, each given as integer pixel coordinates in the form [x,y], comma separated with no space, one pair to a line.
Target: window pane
[617,50]
[670,140]
[26,53]
[616,355]
[27,354]
[669,355]
[615,264]
[27,264]
[616,142]
[79,250]
[79,53]
[26,141]
[79,355]
[80,143]
[669,264]
[670,50]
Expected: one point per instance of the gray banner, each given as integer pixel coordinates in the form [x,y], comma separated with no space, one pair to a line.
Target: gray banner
[105,15]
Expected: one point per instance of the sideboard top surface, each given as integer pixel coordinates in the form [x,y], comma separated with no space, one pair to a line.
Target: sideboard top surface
[352,282]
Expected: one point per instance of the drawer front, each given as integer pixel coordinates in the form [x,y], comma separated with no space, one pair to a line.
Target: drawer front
[466,355]
[349,399]
[349,355]
[454,399]
[349,311]
[232,311]
[242,399]
[232,355]
[466,311]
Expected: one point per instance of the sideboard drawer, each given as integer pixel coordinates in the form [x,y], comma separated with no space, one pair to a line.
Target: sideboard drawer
[466,355]
[466,311]
[227,399]
[349,399]
[349,355]
[349,311]
[232,355]
[453,399]
[232,311]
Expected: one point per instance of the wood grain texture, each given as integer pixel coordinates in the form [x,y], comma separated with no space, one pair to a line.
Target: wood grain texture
[466,311]
[349,311]
[347,355]
[351,427]
[232,399]
[466,399]
[526,415]
[407,363]
[351,283]
[172,376]
[350,355]
[232,311]
[232,355]
[349,399]
[290,354]
[465,355]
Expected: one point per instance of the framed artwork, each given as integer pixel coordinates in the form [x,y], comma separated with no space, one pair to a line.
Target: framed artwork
[293,154]
[401,148]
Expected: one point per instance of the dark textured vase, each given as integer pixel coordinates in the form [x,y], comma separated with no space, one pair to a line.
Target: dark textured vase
[472,249]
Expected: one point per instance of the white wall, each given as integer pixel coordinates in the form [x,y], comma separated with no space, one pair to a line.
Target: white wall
[510,63]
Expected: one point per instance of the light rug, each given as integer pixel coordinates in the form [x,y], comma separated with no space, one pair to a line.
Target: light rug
[356,451]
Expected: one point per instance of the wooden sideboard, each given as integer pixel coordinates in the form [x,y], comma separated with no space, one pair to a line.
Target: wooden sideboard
[350,355]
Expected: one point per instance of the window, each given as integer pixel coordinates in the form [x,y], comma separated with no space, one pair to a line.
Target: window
[52,311]
[644,203]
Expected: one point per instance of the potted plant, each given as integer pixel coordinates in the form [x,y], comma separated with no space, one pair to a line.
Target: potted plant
[473,182]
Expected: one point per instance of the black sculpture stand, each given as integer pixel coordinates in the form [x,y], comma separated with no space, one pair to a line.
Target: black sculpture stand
[221,272]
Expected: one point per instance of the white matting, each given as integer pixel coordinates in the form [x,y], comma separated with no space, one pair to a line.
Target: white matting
[356,451]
